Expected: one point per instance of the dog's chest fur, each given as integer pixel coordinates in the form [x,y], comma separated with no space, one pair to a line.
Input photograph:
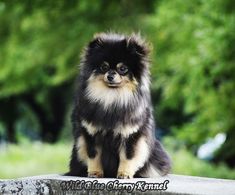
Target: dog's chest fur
[119,118]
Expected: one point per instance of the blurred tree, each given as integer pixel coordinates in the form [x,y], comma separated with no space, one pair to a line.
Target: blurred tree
[40,46]
[51,116]
[195,73]
[193,80]
[9,114]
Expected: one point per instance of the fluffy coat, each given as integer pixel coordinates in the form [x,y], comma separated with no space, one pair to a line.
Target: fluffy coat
[113,124]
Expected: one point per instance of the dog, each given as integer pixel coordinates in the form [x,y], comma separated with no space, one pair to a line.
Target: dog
[113,124]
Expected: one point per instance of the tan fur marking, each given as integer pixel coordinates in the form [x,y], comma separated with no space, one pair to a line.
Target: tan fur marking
[94,164]
[91,129]
[126,130]
[82,150]
[98,91]
[128,167]
[131,85]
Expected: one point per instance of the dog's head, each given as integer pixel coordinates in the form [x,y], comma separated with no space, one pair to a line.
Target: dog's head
[115,63]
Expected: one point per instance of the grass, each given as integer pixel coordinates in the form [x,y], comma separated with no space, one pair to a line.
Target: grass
[36,158]
[33,159]
[185,163]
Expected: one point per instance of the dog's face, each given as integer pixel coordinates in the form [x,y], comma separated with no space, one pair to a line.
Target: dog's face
[114,75]
[114,64]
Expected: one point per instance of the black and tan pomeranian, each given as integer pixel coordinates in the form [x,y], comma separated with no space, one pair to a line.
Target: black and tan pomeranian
[114,128]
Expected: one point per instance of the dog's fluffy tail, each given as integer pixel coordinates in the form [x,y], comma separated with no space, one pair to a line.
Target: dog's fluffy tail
[160,163]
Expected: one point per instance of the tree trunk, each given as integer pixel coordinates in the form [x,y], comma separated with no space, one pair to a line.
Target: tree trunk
[51,114]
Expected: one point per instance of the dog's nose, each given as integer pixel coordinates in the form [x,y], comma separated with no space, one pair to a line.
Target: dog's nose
[110,77]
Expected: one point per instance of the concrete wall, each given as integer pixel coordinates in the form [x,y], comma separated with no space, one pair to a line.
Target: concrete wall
[171,184]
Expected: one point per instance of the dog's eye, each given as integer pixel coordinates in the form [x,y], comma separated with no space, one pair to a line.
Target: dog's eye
[104,67]
[122,69]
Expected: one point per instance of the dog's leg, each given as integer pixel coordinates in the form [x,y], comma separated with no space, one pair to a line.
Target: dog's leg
[94,167]
[77,163]
[133,156]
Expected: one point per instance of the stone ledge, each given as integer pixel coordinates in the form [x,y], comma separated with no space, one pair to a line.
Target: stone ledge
[171,184]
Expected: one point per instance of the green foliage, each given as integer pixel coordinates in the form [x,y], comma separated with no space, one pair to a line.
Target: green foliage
[195,65]
[193,59]
[37,47]
[39,51]
[41,41]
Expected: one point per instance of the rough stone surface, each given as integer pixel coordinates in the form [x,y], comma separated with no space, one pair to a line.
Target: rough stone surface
[171,184]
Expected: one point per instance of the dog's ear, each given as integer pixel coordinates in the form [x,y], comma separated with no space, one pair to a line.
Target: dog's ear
[137,46]
[97,42]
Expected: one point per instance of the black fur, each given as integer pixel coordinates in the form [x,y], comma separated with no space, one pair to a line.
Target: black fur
[133,52]
[130,144]
[110,156]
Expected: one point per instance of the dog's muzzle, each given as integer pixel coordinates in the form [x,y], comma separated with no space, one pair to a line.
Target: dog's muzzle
[112,79]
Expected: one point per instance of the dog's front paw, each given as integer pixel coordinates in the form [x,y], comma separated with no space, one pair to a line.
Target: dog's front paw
[122,175]
[95,174]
